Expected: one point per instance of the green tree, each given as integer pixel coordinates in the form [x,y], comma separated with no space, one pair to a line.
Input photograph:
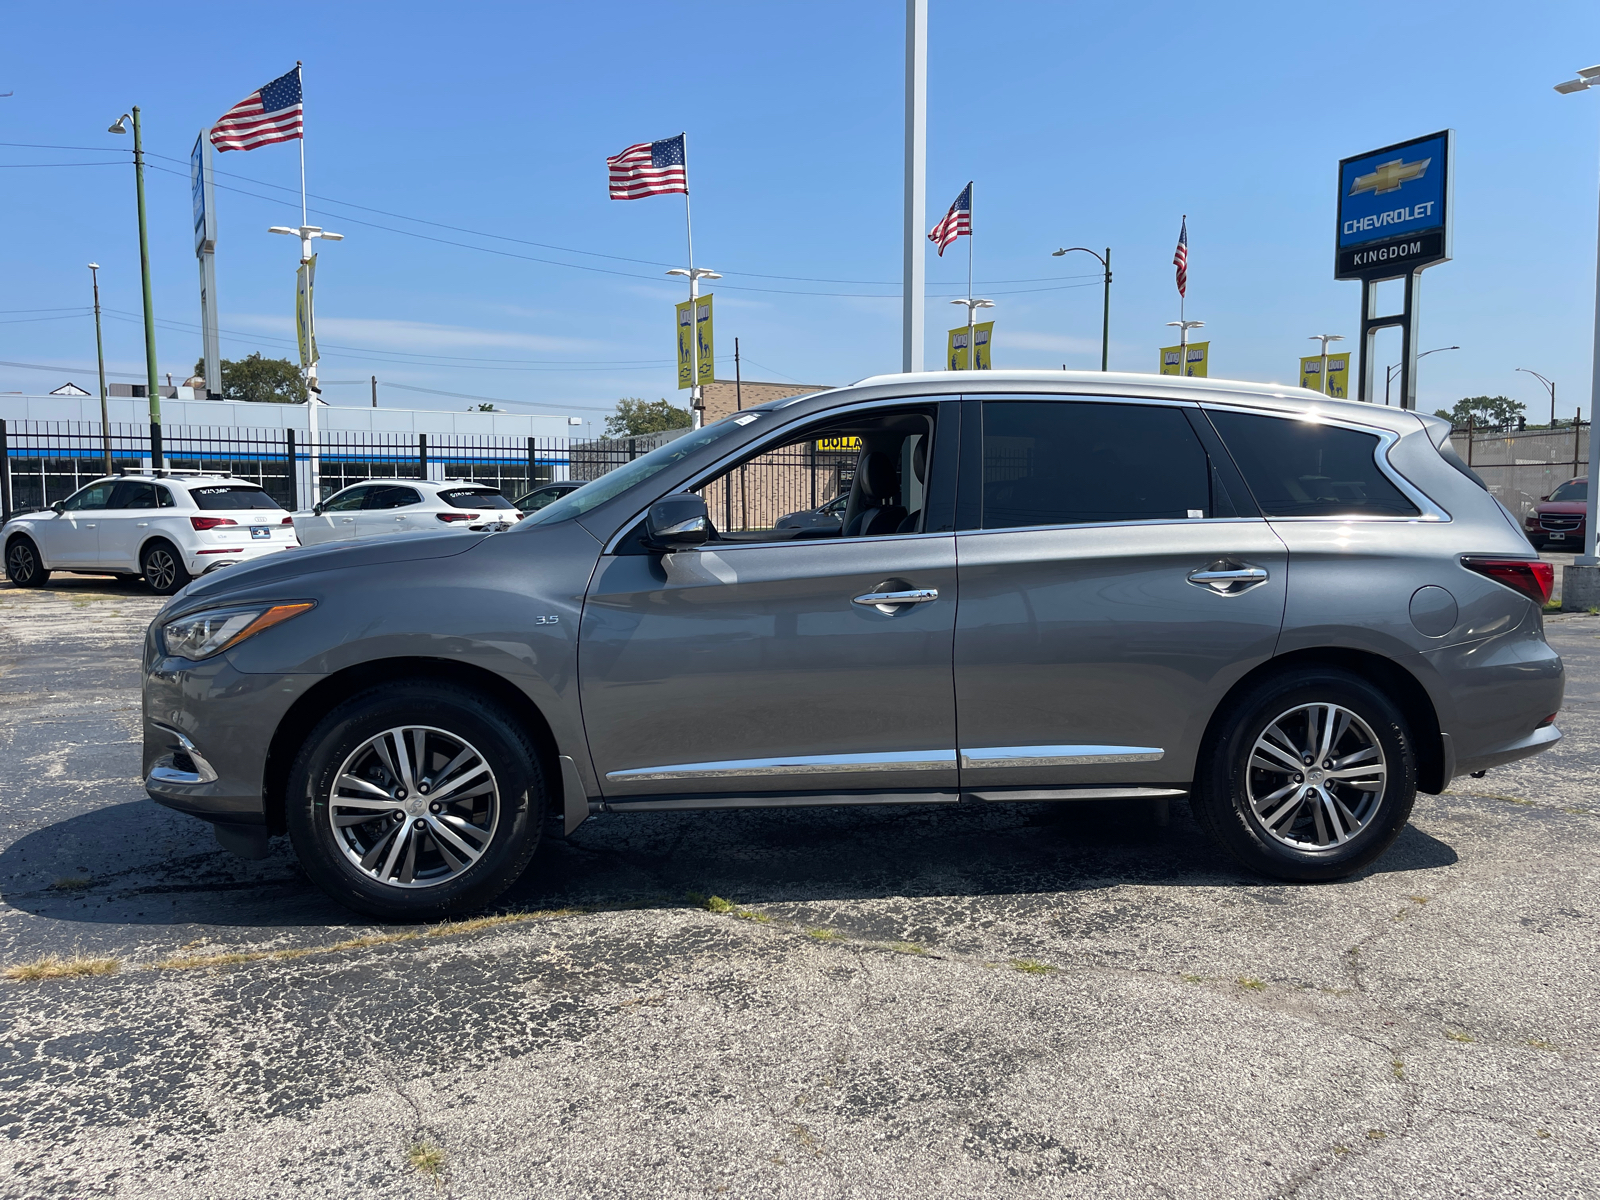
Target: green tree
[635,417]
[259,380]
[483,408]
[1486,412]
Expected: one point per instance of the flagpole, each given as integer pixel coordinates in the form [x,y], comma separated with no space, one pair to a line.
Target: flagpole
[313,393]
[696,405]
[1182,294]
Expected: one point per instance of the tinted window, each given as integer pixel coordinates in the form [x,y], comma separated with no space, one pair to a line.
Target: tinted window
[134,495]
[534,501]
[94,496]
[346,501]
[1303,469]
[1576,489]
[231,496]
[475,498]
[1069,463]
[390,496]
[164,496]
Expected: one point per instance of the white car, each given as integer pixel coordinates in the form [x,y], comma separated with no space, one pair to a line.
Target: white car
[168,527]
[379,507]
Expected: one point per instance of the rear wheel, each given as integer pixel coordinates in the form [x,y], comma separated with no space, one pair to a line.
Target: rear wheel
[416,800]
[163,569]
[1308,776]
[23,567]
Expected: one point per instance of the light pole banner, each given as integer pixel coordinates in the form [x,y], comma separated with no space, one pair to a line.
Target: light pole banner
[1338,375]
[304,319]
[1199,358]
[956,355]
[705,349]
[685,327]
[981,335]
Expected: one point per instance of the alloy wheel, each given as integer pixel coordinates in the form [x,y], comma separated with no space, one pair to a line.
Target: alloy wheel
[414,806]
[160,569]
[1316,776]
[20,563]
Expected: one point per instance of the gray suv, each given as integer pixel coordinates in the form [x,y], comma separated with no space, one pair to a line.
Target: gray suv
[1046,586]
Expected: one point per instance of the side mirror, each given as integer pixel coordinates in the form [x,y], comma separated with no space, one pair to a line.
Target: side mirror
[60,506]
[316,509]
[677,522]
[1542,499]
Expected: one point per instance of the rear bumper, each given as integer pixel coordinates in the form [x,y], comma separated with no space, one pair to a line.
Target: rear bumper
[1533,743]
[206,558]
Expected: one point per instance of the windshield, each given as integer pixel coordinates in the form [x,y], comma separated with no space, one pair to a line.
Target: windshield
[231,498]
[474,498]
[595,493]
[1573,489]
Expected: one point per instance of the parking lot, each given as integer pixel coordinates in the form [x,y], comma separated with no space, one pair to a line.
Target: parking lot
[1036,1000]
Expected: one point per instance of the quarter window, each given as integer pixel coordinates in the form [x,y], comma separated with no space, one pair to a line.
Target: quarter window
[1072,463]
[1306,469]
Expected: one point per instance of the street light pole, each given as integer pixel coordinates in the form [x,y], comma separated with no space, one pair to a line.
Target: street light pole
[1587,78]
[1325,338]
[152,384]
[1551,385]
[1105,308]
[100,355]
[1183,328]
[972,329]
[307,234]
[1388,372]
[695,274]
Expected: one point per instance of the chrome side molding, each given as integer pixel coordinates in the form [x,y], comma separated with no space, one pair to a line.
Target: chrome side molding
[1056,756]
[798,764]
[819,800]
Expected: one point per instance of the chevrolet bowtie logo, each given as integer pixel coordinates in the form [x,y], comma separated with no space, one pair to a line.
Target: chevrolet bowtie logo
[1389,176]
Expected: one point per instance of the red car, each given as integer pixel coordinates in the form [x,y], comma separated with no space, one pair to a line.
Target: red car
[1559,520]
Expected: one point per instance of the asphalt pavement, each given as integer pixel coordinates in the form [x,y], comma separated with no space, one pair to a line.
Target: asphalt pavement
[1038,1000]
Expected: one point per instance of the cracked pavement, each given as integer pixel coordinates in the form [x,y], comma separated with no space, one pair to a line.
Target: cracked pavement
[1033,1000]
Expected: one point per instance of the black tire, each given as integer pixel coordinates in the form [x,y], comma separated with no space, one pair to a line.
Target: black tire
[163,569]
[1227,772]
[23,566]
[455,715]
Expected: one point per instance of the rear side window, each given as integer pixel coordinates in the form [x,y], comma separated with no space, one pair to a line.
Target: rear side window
[134,495]
[391,496]
[1304,469]
[1073,463]
[231,496]
[475,498]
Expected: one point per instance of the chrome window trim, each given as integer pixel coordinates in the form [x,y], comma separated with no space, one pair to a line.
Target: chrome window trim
[794,764]
[1056,756]
[1427,510]
[1206,521]
[757,447]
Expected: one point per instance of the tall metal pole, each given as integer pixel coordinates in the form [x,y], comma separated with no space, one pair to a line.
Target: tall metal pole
[153,385]
[696,403]
[100,355]
[1588,559]
[1105,318]
[916,263]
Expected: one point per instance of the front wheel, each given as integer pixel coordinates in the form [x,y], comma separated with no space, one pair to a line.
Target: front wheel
[163,569]
[1308,776]
[414,801]
[23,567]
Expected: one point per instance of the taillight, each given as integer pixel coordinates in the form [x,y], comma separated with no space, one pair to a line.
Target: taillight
[211,522]
[1533,577]
[287,521]
[451,518]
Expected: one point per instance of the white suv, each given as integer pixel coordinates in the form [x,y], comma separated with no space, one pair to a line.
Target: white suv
[377,507]
[168,527]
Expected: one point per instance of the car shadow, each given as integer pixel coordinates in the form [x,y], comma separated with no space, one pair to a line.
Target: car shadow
[139,864]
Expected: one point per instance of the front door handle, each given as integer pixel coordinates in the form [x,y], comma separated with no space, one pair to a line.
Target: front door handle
[888,602]
[348,520]
[1228,579]
[144,524]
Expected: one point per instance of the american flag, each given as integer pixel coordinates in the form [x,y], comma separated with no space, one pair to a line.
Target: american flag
[956,222]
[1180,257]
[273,114]
[650,169]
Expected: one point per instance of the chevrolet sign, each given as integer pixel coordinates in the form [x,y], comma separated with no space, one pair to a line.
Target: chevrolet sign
[1394,209]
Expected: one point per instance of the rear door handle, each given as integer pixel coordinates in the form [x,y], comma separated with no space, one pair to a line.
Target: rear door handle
[1228,580]
[144,524]
[887,602]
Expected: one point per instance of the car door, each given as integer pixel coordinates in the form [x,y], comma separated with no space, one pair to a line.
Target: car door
[1116,580]
[73,538]
[127,522]
[336,521]
[757,665]
[389,508]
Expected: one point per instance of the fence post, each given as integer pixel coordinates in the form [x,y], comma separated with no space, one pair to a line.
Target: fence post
[1577,435]
[294,470]
[532,455]
[5,474]
[422,453]
[1470,427]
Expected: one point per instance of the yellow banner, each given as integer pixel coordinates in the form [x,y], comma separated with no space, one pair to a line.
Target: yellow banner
[839,445]
[706,350]
[1199,359]
[982,333]
[684,324]
[1338,374]
[956,354]
[304,319]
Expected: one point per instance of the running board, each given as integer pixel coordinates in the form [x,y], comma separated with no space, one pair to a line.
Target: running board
[814,800]
[1017,795]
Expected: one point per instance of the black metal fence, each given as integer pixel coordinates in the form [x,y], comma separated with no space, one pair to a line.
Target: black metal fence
[42,462]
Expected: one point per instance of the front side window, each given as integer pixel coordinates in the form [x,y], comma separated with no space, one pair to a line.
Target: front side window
[391,496]
[231,496]
[1299,468]
[346,501]
[1064,462]
[97,495]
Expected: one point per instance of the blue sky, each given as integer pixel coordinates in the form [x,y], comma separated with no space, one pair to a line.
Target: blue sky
[1081,124]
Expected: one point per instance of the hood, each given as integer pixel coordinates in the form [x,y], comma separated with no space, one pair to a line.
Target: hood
[1578,507]
[293,564]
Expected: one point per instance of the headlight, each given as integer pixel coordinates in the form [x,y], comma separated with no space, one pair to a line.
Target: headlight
[202,634]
